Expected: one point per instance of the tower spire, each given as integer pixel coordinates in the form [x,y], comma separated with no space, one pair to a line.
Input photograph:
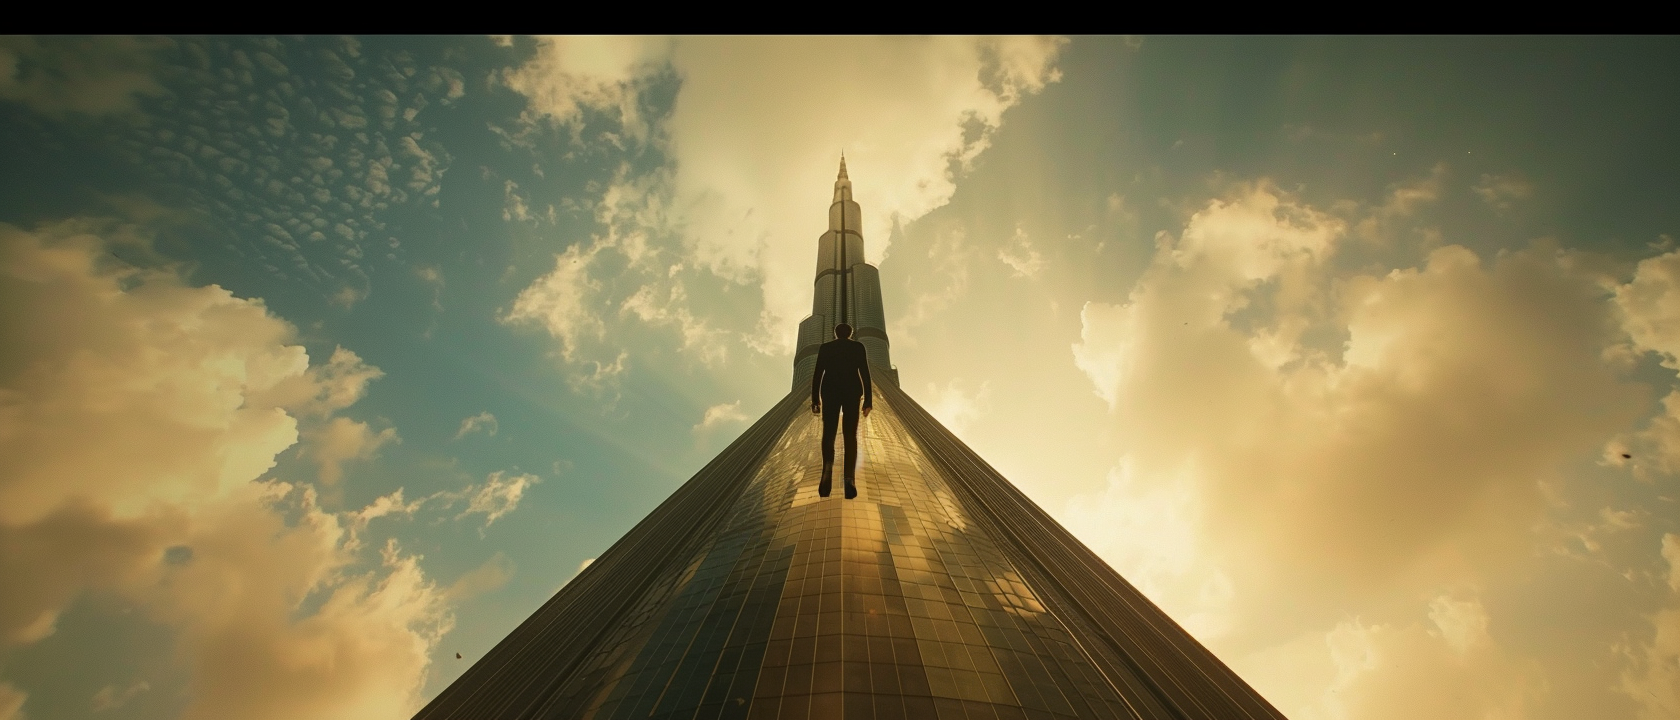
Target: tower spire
[842,184]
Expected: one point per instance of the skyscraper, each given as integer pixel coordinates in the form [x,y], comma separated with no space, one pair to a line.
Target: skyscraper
[847,290]
[940,592]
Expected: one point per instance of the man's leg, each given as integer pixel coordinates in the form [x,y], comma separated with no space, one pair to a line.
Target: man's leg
[830,423]
[849,426]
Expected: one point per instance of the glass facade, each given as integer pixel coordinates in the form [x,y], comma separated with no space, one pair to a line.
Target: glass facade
[892,605]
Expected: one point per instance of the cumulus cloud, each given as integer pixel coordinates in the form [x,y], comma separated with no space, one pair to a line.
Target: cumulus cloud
[1444,665]
[483,422]
[132,361]
[1650,314]
[754,138]
[362,653]
[1652,677]
[189,393]
[1406,451]
[1449,668]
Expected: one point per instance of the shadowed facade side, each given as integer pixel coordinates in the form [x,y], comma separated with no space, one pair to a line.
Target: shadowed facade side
[940,592]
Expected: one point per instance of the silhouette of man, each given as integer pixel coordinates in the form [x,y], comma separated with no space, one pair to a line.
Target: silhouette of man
[840,382]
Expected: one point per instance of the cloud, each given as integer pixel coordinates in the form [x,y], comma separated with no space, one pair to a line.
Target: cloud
[58,76]
[1652,675]
[154,373]
[1226,249]
[301,167]
[1446,666]
[11,702]
[1223,401]
[571,74]
[562,302]
[341,440]
[950,254]
[499,495]
[1447,669]
[483,422]
[753,139]
[111,698]
[1671,554]
[362,653]
[51,560]
[1649,305]
[327,388]
[1404,200]
[1503,192]
[719,414]
[388,504]
[189,394]
[488,577]
[955,406]
[575,305]
[1023,260]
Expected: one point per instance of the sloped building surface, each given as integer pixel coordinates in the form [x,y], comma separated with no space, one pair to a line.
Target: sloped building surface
[939,592]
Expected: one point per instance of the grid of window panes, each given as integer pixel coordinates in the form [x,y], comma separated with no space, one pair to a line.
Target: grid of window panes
[892,605]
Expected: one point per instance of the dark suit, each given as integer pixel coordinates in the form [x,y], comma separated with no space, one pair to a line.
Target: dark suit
[841,381]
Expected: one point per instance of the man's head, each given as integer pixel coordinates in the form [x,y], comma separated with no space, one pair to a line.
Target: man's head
[842,331]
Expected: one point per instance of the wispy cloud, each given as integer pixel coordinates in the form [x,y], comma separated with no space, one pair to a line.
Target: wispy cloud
[488,577]
[341,440]
[720,414]
[1020,255]
[499,495]
[59,76]
[483,422]
[1503,192]
[111,698]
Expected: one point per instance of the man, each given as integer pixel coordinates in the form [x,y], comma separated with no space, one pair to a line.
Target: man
[840,382]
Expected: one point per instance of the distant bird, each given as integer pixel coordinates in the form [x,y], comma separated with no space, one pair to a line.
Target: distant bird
[457,656]
[1626,456]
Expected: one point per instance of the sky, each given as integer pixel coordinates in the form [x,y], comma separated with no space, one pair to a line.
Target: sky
[326,359]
